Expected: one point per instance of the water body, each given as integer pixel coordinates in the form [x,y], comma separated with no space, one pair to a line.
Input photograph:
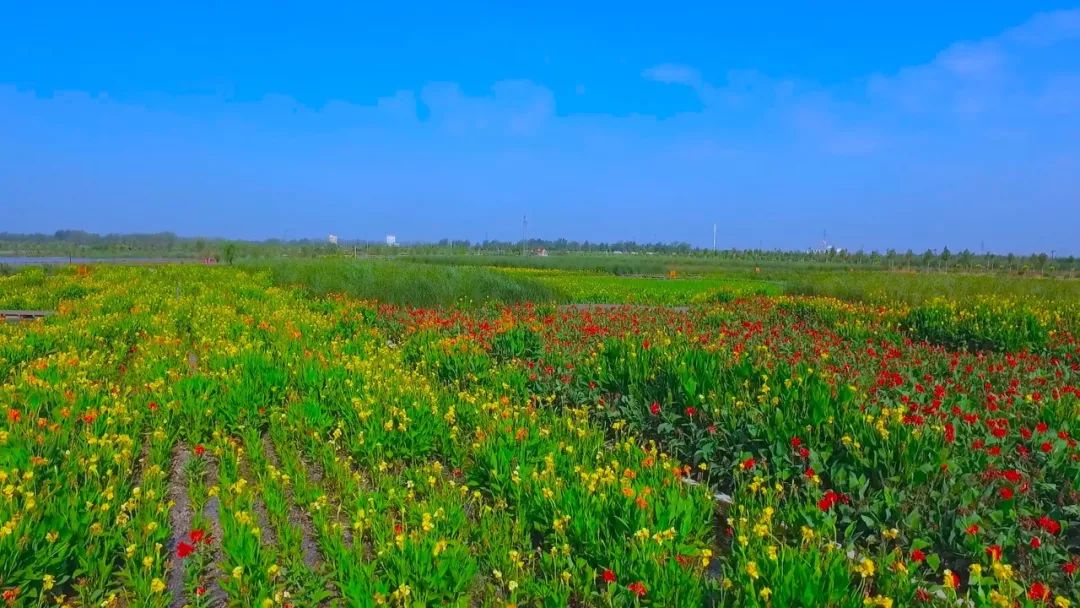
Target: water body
[55,260]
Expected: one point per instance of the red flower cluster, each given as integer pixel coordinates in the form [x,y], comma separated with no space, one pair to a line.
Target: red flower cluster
[197,537]
[638,588]
[830,499]
[1049,525]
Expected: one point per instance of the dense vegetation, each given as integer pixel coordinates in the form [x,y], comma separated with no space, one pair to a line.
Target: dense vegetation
[285,435]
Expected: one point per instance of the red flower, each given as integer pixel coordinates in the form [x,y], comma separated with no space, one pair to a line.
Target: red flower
[1049,525]
[1038,591]
[973,529]
[950,433]
[200,591]
[638,588]
[13,414]
[917,555]
[608,576]
[796,442]
[994,551]
[691,410]
[1006,493]
[398,529]
[830,499]
[805,453]
[923,595]
[809,473]
[1035,542]
[747,464]
[1046,447]
[183,550]
[153,406]
[1069,568]
[654,409]
[200,450]
[1041,427]
[196,535]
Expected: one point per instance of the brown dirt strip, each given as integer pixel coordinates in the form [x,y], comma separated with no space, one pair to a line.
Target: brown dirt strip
[180,522]
[214,591]
[269,537]
[297,517]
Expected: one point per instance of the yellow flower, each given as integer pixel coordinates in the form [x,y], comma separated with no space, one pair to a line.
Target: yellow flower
[47,582]
[237,572]
[1061,602]
[765,593]
[752,570]
[157,585]
[706,557]
[866,567]
[148,562]
[52,536]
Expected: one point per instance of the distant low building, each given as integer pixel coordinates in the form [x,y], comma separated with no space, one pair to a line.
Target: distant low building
[332,239]
[391,240]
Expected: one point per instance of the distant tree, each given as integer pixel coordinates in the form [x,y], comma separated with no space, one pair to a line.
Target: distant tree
[927,257]
[229,252]
[965,258]
[909,258]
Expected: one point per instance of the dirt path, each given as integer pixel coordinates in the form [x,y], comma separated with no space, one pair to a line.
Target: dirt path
[180,518]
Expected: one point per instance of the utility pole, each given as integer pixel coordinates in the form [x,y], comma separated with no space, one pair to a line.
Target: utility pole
[714,238]
[524,225]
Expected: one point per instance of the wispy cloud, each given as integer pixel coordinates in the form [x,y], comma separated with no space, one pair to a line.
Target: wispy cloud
[673,73]
[513,107]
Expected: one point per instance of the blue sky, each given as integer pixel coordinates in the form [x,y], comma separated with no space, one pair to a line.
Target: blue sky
[920,125]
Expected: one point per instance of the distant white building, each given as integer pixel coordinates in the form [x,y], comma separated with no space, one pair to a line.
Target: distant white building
[391,240]
[332,239]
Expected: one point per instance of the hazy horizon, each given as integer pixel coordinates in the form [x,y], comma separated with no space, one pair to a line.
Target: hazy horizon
[888,127]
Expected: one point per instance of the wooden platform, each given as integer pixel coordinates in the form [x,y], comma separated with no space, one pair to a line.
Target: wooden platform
[14,316]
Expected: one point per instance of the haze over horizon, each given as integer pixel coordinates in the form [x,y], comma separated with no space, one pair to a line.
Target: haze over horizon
[890,127]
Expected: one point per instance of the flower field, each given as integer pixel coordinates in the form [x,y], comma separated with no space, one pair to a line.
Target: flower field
[188,436]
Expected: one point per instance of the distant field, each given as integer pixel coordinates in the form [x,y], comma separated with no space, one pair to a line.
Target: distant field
[593,288]
[405,283]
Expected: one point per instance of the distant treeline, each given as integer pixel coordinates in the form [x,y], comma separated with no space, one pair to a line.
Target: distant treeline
[78,243]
